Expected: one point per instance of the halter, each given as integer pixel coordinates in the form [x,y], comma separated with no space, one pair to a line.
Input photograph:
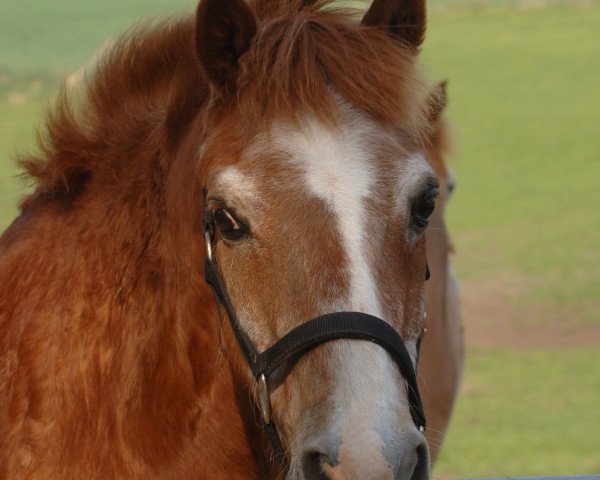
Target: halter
[305,337]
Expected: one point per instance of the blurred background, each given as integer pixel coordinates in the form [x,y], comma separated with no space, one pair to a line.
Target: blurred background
[524,99]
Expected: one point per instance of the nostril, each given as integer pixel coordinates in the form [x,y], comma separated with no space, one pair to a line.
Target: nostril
[421,470]
[312,465]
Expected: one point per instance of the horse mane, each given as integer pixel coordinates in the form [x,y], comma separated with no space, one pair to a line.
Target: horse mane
[148,87]
[142,94]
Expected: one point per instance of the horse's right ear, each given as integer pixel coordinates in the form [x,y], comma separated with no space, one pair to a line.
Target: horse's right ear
[224,31]
[404,19]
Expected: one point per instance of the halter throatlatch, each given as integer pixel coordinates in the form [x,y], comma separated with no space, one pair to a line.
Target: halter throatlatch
[305,337]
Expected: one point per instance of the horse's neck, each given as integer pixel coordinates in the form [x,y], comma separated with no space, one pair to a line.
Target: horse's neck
[123,351]
[114,338]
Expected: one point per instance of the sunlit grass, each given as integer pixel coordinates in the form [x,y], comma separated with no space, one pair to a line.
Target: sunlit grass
[41,37]
[526,413]
[524,99]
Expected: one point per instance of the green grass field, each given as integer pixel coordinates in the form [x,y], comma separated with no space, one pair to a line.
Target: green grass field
[524,99]
[524,95]
[526,413]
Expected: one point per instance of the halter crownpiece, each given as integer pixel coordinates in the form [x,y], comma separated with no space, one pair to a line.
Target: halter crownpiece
[305,337]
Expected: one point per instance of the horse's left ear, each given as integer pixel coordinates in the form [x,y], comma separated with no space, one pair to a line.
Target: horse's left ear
[224,31]
[404,19]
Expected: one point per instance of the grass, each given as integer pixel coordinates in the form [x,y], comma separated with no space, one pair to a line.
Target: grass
[526,414]
[52,38]
[524,100]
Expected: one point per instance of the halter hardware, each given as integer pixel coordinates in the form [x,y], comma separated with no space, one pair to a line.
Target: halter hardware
[208,240]
[265,401]
[303,338]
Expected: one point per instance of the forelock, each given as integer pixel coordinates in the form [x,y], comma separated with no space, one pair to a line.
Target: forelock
[300,58]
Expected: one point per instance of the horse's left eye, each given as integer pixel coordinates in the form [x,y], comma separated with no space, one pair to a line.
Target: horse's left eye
[228,226]
[423,206]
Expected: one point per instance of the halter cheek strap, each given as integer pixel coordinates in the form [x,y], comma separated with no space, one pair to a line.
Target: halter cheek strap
[305,337]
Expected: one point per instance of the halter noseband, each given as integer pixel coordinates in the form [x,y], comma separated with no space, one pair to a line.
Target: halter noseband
[305,337]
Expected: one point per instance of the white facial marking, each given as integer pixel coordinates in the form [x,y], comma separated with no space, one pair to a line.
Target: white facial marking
[368,404]
[236,183]
[338,170]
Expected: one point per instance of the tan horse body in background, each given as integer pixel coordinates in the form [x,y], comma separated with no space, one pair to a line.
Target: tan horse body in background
[442,351]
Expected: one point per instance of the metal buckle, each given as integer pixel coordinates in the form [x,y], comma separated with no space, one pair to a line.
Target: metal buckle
[263,394]
[207,238]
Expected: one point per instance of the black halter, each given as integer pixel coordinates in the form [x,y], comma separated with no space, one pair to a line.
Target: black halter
[325,328]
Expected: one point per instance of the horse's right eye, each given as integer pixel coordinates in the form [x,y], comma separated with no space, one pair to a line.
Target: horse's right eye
[228,226]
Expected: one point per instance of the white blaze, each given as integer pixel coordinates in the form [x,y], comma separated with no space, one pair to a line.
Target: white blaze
[338,170]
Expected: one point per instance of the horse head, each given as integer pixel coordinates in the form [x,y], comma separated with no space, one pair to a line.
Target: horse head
[313,165]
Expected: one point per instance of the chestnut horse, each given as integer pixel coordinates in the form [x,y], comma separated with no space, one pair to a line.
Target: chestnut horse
[302,134]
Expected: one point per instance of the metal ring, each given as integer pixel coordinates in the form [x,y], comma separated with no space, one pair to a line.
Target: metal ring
[209,253]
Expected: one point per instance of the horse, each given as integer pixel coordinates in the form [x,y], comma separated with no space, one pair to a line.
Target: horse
[276,152]
[442,352]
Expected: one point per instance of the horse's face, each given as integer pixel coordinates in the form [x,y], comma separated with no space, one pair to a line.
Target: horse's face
[314,216]
[313,220]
